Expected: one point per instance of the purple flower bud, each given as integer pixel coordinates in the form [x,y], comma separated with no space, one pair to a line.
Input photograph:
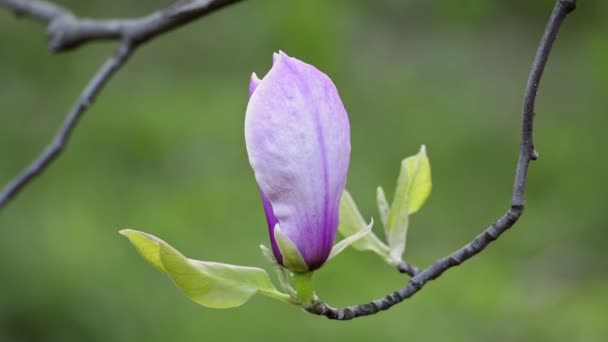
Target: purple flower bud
[298,141]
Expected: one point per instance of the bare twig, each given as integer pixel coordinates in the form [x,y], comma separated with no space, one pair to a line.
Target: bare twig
[66,31]
[52,151]
[526,154]
[40,10]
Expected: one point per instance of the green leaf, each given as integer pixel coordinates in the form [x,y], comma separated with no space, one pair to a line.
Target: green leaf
[284,281]
[268,255]
[280,270]
[396,235]
[352,223]
[147,245]
[292,259]
[340,246]
[383,206]
[418,179]
[413,189]
[210,284]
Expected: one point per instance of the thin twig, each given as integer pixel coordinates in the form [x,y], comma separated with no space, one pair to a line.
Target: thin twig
[66,31]
[526,154]
[42,11]
[62,137]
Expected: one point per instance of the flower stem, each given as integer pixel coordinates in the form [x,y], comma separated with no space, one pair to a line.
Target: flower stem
[304,287]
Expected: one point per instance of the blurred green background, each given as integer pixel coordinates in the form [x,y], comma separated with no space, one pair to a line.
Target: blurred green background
[162,150]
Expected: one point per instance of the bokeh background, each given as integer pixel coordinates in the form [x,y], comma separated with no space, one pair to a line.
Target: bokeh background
[162,150]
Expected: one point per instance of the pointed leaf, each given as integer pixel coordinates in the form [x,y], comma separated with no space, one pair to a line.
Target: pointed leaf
[268,254]
[413,188]
[147,245]
[418,188]
[284,281]
[383,206]
[210,284]
[396,235]
[340,246]
[351,223]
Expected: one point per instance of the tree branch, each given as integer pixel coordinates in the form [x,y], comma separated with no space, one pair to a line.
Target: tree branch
[62,137]
[66,32]
[40,10]
[526,154]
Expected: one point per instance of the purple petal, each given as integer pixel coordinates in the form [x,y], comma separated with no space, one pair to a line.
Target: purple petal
[272,221]
[253,83]
[298,140]
[270,218]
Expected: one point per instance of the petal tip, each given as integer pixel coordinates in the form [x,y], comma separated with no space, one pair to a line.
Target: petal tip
[253,83]
[277,57]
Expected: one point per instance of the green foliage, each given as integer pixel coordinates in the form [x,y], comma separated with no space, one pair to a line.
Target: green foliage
[412,190]
[383,207]
[352,223]
[209,284]
[267,253]
[350,240]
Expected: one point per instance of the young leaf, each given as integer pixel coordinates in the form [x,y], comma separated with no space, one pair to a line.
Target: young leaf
[147,245]
[413,188]
[396,234]
[347,241]
[351,223]
[418,170]
[268,254]
[210,284]
[383,207]
[284,281]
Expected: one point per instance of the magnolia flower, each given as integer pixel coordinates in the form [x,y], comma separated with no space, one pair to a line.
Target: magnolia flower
[298,141]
